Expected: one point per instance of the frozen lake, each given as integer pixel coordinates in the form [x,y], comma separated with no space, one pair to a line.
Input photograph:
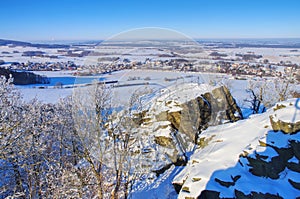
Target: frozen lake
[64,81]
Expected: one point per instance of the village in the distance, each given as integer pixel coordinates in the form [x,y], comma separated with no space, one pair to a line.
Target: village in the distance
[238,58]
[268,58]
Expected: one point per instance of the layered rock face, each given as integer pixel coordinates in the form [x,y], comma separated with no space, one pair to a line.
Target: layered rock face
[208,109]
[175,125]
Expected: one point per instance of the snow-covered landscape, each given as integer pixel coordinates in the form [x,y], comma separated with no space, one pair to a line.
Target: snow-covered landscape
[141,119]
[149,99]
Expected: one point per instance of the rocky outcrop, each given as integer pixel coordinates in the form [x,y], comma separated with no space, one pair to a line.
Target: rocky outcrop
[272,168]
[209,109]
[222,100]
[163,141]
[176,127]
[195,115]
[269,154]
[286,127]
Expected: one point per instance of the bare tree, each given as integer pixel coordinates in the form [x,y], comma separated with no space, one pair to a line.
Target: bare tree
[108,139]
[284,86]
[260,95]
[264,93]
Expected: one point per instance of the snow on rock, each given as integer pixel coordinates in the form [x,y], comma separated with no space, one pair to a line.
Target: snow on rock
[176,117]
[156,122]
[236,157]
[284,121]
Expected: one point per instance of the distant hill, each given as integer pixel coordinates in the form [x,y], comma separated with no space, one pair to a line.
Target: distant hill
[4,42]
[218,43]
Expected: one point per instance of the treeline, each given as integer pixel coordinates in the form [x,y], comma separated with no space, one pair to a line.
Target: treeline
[23,77]
[4,42]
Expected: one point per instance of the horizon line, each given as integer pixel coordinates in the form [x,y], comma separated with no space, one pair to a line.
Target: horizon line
[102,39]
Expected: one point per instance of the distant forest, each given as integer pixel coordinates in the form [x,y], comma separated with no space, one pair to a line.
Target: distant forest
[23,77]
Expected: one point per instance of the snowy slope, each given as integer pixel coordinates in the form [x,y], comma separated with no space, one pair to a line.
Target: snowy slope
[221,157]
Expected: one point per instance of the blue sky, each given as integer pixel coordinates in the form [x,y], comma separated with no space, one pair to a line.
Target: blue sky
[29,20]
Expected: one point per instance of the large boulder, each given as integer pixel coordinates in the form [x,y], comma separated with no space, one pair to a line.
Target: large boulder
[193,116]
[211,108]
[175,125]
[286,127]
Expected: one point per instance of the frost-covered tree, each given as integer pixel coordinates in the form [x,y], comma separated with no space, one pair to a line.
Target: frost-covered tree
[10,135]
[32,145]
[24,129]
[82,147]
[108,141]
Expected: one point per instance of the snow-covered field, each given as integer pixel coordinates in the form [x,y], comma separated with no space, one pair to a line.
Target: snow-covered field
[157,80]
[15,55]
[274,55]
